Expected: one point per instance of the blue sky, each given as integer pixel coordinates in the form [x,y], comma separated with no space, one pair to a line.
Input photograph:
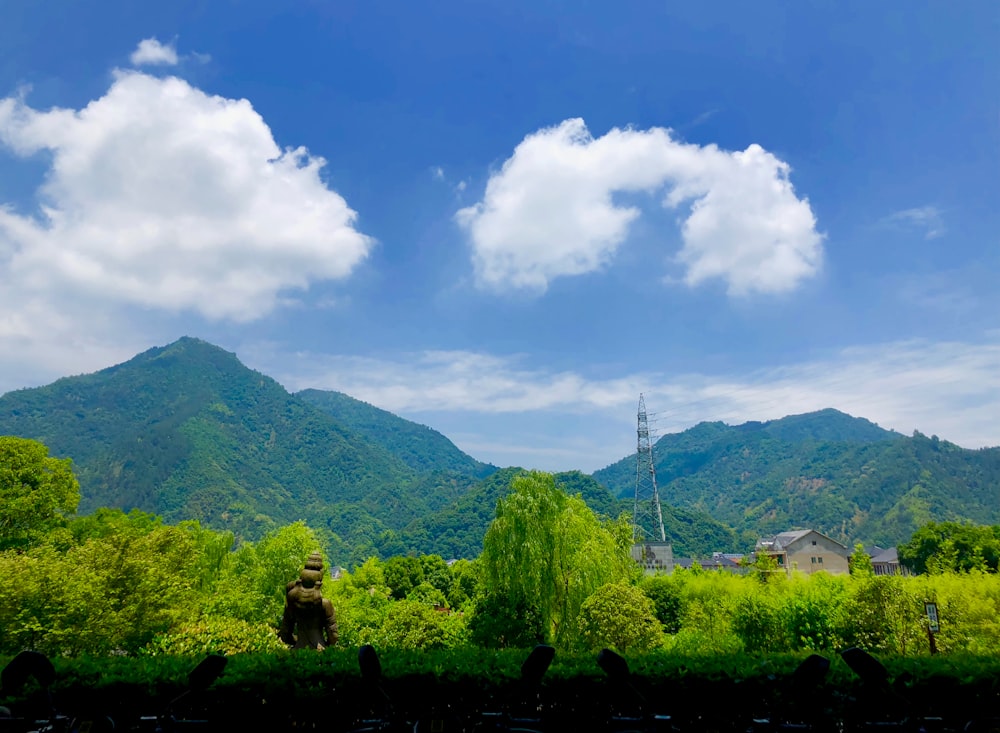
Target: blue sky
[506,220]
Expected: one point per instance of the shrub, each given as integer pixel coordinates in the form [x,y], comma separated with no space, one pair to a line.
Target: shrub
[217,635]
[619,616]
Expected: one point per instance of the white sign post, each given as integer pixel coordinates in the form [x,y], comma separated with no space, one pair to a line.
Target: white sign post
[933,624]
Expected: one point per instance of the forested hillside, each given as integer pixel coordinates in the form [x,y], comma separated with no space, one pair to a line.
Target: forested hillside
[457,530]
[420,447]
[841,475]
[188,432]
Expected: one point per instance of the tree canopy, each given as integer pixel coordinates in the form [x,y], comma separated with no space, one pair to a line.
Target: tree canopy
[952,546]
[548,551]
[37,492]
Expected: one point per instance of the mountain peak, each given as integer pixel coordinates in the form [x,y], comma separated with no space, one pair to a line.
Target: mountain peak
[185,355]
[828,424]
[187,346]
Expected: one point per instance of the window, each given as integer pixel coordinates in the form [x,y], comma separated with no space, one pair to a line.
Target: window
[819,561]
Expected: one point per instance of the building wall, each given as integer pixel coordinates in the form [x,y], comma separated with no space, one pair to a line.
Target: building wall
[814,552]
[654,557]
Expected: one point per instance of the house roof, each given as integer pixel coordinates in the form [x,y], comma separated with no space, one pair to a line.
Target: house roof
[724,560]
[887,556]
[784,539]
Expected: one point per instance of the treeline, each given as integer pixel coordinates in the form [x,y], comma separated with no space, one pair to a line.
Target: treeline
[551,570]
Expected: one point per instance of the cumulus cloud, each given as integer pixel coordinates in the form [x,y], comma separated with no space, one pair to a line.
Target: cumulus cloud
[150,52]
[162,196]
[550,211]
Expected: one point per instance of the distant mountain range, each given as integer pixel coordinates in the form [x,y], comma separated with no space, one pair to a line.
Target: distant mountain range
[841,475]
[189,432]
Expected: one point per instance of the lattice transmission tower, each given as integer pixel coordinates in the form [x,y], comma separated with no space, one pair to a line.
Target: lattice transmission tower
[647,518]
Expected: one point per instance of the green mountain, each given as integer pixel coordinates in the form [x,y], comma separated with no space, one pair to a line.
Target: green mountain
[189,432]
[458,530]
[420,447]
[841,475]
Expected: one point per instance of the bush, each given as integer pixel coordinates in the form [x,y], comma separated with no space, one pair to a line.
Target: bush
[499,623]
[217,635]
[620,616]
[757,621]
[418,626]
[665,593]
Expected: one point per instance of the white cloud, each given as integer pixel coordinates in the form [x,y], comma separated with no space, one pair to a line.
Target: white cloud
[951,389]
[150,52]
[927,218]
[162,196]
[550,211]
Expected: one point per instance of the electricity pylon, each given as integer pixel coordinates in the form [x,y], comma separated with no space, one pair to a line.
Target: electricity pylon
[647,518]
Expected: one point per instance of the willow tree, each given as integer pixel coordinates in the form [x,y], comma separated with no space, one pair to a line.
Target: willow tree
[548,552]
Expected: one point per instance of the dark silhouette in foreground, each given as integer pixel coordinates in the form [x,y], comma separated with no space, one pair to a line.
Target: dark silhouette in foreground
[309,621]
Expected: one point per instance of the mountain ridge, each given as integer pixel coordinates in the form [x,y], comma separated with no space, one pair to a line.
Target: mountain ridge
[827,470]
[419,446]
[187,431]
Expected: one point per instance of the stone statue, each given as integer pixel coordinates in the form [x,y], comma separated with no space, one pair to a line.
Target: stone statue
[309,621]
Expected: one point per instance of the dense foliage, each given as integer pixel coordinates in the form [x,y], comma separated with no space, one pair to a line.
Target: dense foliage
[187,432]
[843,476]
[420,447]
[548,552]
[950,546]
[551,570]
[37,492]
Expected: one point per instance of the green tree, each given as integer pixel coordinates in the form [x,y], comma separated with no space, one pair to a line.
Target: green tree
[415,625]
[665,593]
[500,622]
[860,562]
[361,600]
[812,609]
[882,615]
[757,621]
[254,578]
[765,568]
[465,585]
[112,593]
[548,551]
[402,575]
[369,577]
[37,492]
[106,522]
[952,546]
[428,595]
[619,616]
[437,572]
